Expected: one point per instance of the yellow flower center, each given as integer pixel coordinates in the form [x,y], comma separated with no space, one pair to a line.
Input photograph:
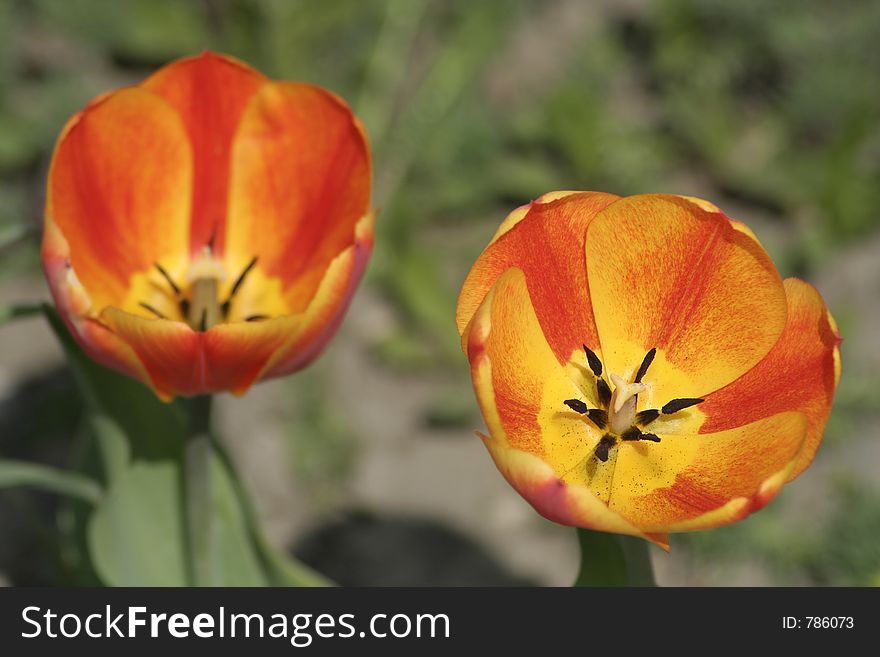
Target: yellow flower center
[202,294]
[616,412]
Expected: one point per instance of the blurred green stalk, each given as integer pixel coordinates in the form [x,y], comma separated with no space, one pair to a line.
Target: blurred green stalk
[198,493]
[613,560]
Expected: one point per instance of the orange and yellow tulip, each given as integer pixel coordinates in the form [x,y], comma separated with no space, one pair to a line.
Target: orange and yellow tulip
[640,364]
[207,228]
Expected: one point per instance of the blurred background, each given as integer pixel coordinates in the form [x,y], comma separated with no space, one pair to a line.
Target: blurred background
[366,465]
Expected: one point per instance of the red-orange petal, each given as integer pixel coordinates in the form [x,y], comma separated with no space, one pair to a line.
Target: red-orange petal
[800,373]
[512,367]
[299,183]
[545,240]
[697,481]
[664,272]
[322,318]
[119,190]
[180,361]
[73,302]
[210,93]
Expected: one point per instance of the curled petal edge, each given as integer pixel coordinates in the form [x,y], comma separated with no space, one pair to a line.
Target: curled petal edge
[560,502]
[531,477]
[740,508]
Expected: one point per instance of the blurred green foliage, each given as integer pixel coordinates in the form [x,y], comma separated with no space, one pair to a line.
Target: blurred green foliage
[475,107]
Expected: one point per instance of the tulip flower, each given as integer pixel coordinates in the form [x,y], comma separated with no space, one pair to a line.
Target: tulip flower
[207,228]
[640,365]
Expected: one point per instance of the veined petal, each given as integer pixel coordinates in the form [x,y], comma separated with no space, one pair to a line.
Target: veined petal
[299,183]
[540,447]
[119,191]
[180,361]
[702,480]
[171,352]
[210,93]
[73,304]
[567,504]
[799,374]
[664,272]
[544,240]
[320,321]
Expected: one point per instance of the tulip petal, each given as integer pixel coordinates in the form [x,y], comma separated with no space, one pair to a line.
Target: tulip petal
[180,361]
[800,373]
[170,351]
[666,273]
[119,191]
[568,504]
[545,240]
[536,443]
[320,321]
[73,303]
[210,93]
[299,183]
[701,480]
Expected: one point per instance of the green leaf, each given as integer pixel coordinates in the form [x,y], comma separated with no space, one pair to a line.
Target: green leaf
[613,560]
[281,569]
[20,473]
[135,536]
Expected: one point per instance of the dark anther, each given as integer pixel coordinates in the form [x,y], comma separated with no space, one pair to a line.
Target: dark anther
[147,306]
[593,360]
[213,238]
[647,416]
[224,307]
[604,392]
[184,307]
[598,417]
[677,405]
[601,451]
[646,363]
[167,278]
[242,276]
[634,433]
[203,322]
[256,318]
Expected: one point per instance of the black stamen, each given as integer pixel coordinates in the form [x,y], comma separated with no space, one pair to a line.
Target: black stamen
[598,417]
[147,306]
[224,307]
[646,363]
[576,405]
[212,239]
[184,307]
[167,278]
[677,405]
[634,433]
[593,360]
[256,318]
[604,392]
[203,322]
[242,276]
[647,416]
[601,451]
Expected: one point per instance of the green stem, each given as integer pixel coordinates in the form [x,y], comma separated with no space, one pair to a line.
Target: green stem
[283,569]
[198,491]
[613,560]
[19,310]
